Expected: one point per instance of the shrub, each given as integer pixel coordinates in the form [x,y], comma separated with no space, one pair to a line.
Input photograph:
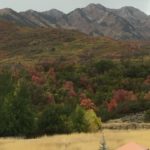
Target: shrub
[136,70]
[104,113]
[147,116]
[80,124]
[54,120]
[94,123]
[104,65]
[120,96]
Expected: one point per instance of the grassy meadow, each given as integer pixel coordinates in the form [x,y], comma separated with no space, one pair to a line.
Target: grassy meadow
[81,141]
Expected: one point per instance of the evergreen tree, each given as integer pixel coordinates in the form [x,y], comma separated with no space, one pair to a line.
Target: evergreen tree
[54,119]
[80,124]
[16,116]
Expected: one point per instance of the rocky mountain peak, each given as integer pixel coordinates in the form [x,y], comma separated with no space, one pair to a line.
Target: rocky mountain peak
[6,11]
[31,11]
[128,10]
[94,19]
[93,6]
[53,13]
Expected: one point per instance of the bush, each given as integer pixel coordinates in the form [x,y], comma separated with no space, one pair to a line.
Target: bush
[104,65]
[147,116]
[136,71]
[104,114]
[94,123]
[54,120]
[80,124]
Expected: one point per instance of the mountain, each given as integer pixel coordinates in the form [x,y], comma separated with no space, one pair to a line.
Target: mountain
[136,18]
[132,15]
[12,16]
[97,20]
[58,17]
[94,19]
[36,18]
[54,13]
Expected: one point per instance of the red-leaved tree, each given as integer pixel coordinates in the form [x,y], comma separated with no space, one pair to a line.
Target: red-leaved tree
[69,87]
[119,96]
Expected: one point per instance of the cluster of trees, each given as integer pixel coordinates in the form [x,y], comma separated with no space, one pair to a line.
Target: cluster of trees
[61,119]
[49,98]
[26,109]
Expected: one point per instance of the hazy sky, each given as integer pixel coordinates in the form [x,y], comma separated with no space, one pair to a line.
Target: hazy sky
[69,5]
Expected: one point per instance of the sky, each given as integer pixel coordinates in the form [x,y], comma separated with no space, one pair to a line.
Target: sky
[69,5]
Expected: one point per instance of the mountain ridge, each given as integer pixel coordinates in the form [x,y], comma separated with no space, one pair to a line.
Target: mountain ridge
[95,19]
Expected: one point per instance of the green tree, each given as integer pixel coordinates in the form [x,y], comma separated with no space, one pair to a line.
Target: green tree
[6,85]
[54,120]
[80,124]
[104,65]
[17,115]
[94,123]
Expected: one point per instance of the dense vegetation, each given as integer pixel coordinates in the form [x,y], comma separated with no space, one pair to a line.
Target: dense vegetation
[28,45]
[48,98]
[59,81]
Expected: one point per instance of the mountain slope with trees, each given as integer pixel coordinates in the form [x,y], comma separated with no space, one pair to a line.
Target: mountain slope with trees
[55,81]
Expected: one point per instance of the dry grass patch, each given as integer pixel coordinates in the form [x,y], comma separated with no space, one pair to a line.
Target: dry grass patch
[78,141]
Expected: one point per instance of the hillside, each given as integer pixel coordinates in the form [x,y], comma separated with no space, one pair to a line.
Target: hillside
[56,81]
[28,44]
[94,19]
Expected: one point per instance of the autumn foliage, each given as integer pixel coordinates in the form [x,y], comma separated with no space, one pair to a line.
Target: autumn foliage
[120,96]
[147,80]
[60,95]
[147,96]
[87,103]
[69,87]
[37,79]
[52,74]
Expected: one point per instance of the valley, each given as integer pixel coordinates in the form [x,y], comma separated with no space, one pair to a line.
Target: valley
[65,77]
